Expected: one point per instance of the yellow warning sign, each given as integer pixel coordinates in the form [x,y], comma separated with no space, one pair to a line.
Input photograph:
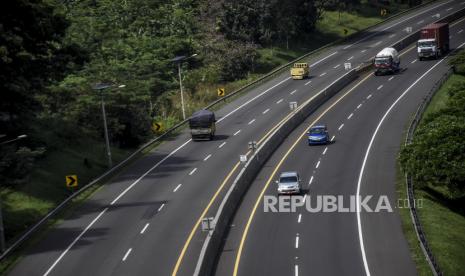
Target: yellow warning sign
[157,127]
[71,181]
[221,92]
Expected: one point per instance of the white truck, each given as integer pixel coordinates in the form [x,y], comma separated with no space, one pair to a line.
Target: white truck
[387,61]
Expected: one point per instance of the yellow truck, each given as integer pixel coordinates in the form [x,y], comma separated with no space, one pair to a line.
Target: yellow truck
[300,71]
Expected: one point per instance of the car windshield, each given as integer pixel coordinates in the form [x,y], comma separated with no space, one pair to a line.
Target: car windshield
[382,60]
[317,131]
[288,179]
[426,44]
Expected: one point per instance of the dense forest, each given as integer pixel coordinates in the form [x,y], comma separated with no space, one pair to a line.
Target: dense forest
[52,53]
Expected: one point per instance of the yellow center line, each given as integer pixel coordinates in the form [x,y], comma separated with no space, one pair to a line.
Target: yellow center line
[257,202]
[212,200]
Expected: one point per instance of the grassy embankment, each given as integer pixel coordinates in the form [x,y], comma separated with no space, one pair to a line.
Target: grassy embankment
[441,218]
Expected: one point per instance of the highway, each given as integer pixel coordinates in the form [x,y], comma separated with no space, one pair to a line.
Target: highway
[145,220]
[367,121]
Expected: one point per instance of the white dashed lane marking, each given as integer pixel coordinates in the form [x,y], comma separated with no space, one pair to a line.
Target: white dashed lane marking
[311,180]
[369,96]
[278,102]
[350,116]
[308,82]
[222,144]
[390,78]
[299,219]
[379,87]
[237,132]
[317,164]
[161,207]
[207,157]
[127,254]
[177,187]
[324,152]
[145,228]
[193,171]
[358,106]
[335,67]
[292,93]
[340,127]
[413,61]
[264,112]
[251,122]
[297,241]
[332,138]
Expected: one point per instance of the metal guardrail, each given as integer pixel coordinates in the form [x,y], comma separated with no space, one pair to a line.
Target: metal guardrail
[409,181]
[170,131]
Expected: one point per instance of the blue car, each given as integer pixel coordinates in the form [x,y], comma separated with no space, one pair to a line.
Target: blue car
[318,135]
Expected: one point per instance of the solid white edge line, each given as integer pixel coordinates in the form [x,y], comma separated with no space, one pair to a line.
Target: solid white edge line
[127,254]
[251,100]
[145,228]
[74,242]
[328,56]
[362,169]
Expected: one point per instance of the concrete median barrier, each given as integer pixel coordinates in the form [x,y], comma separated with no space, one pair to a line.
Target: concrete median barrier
[213,242]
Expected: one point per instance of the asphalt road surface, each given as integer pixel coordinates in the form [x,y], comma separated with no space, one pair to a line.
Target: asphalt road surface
[145,221]
[366,121]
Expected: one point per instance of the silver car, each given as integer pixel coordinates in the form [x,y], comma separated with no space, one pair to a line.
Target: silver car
[289,183]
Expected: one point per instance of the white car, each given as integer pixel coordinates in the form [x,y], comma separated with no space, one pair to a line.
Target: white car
[289,183]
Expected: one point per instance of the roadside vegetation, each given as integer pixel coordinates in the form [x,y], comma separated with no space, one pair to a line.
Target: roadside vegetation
[53,52]
[436,162]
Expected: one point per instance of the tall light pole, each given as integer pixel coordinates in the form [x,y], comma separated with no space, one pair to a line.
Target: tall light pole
[2,229]
[179,60]
[100,87]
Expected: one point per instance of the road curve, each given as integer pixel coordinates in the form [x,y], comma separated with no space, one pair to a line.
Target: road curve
[320,243]
[140,221]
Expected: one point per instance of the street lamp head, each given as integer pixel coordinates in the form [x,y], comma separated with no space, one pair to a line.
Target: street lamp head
[178,58]
[102,85]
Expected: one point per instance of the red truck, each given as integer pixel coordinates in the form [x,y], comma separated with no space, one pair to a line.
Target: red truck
[434,41]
